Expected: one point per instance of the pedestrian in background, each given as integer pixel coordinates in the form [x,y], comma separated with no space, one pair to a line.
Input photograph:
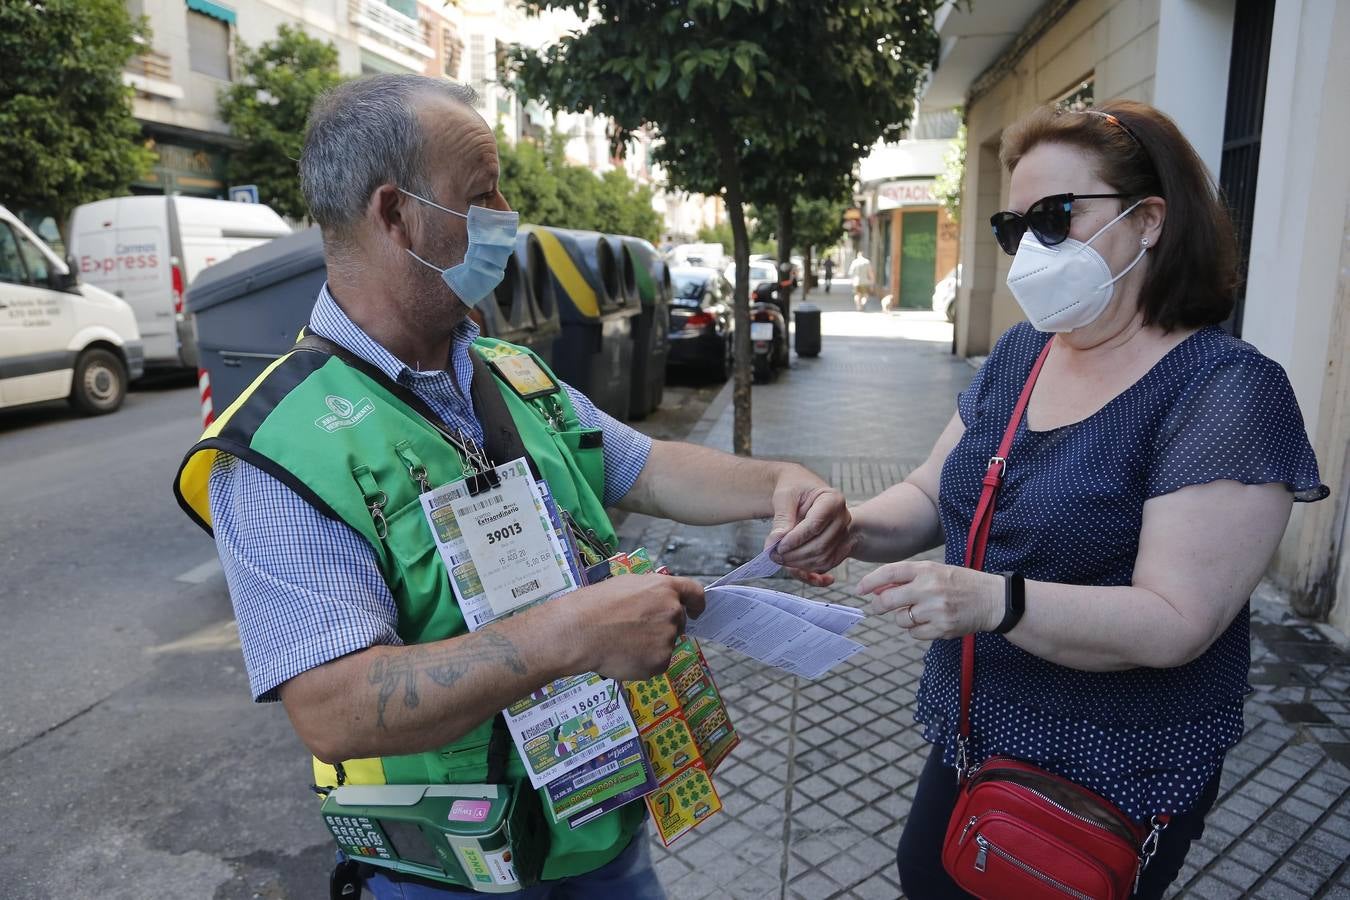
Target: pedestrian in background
[1146,489]
[829,272]
[860,270]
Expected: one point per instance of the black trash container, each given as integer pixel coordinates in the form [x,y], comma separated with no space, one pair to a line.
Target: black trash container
[505,314]
[651,339]
[249,310]
[594,352]
[532,267]
[808,329]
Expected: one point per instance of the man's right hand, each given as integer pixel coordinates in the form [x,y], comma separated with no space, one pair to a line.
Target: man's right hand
[625,627]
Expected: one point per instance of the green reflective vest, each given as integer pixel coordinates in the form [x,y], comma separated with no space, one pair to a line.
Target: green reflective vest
[338,437]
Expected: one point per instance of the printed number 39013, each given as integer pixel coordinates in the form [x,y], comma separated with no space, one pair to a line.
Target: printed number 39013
[504,532]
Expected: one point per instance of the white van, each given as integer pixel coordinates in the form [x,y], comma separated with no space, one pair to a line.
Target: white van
[59,338]
[148,249]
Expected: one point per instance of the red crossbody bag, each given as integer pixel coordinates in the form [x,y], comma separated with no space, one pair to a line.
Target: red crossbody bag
[1017,830]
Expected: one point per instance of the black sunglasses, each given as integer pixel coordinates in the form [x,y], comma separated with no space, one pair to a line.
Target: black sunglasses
[1048,219]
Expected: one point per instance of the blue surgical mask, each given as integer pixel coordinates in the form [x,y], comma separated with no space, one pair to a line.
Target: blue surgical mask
[492,240]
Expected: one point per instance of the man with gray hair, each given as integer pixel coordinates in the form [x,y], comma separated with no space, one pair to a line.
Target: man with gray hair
[313,484]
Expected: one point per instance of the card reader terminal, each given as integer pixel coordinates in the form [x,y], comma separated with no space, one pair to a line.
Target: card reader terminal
[486,837]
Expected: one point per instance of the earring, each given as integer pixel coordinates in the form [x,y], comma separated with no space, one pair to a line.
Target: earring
[1143,242]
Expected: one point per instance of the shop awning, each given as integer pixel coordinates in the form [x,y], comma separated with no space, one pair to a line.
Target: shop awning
[214,10]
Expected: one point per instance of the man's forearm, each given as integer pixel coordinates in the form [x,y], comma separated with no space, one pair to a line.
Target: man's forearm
[394,700]
[700,486]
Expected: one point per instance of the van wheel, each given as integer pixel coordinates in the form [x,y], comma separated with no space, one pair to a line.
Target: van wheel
[100,383]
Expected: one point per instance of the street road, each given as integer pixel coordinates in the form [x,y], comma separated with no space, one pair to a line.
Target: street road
[133,762]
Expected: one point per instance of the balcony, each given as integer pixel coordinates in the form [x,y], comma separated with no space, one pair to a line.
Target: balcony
[152,73]
[389,34]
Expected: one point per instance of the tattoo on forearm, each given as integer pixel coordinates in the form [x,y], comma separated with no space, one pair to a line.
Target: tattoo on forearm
[443,665]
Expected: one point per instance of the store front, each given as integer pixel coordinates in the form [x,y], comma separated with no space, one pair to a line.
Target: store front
[195,169]
[914,243]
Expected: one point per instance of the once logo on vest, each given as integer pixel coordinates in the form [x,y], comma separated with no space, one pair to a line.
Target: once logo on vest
[343,413]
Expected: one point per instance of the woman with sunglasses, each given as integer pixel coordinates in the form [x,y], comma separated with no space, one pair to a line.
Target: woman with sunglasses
[1145,491]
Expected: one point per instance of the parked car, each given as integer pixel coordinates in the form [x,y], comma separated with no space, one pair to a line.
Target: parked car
[700,321]
[706,254]
[149,249]
[60,338]
[763,279]
[944,294]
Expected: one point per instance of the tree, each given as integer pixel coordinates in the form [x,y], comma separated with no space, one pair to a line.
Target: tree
[803,87]
[67,135]
[535,180]
[817,223]
[947,186]
[761,240]
[267,110]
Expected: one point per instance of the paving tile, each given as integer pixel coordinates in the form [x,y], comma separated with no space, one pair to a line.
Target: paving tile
[1211,888]
[1249,853]
[1299,878]
[1301,809]
[1316,860]
[1235,873]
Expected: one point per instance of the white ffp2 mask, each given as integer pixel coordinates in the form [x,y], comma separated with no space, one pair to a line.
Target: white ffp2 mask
[1066,286]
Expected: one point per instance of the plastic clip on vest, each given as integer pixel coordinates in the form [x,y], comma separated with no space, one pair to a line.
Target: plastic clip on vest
[1018,830]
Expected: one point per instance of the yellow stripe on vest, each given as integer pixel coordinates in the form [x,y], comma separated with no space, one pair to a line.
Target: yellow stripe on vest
[564,268]
[193,479]
[358,771]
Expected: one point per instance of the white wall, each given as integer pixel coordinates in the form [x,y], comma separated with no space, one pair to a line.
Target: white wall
[256,22]
[1195,41]
[1117,42]
[1300,194]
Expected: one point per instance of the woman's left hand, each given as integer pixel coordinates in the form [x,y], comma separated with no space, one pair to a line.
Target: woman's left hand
[936,600]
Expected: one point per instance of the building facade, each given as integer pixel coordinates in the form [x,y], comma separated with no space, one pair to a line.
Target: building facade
[192,54]
[906,231]
[1258,86]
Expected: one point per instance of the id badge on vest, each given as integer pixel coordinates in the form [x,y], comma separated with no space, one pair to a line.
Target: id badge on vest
[499,545]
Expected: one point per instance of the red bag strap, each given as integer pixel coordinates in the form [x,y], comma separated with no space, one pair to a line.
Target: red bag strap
[979,537]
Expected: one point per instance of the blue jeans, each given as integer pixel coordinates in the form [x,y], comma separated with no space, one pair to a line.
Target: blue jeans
[629,876]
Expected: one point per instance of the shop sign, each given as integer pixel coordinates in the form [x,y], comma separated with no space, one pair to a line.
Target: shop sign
[894,194]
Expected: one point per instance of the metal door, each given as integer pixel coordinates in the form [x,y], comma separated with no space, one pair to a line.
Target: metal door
[1242,129]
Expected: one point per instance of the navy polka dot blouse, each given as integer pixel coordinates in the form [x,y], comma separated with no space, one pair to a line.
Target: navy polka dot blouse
[1070,511]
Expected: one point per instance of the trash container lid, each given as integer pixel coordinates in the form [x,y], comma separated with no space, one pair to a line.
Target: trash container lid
[807,308]
[255,269]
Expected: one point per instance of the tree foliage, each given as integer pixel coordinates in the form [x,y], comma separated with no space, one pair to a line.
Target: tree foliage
[947,186]
[67,135]
[266,109]
[762,100]
[761,239]
[817,222]
[546,189]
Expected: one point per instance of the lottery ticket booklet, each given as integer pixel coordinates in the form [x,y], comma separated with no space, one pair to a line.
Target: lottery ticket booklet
[687,734]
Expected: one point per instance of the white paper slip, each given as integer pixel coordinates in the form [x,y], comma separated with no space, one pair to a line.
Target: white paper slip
[832,617]
[761,566]
[739,620]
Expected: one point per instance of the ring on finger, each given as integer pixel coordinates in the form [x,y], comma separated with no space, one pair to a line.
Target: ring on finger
[910,609]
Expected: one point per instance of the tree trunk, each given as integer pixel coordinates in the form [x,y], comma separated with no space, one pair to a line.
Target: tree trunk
[785,250]
[731,178]
[809,276]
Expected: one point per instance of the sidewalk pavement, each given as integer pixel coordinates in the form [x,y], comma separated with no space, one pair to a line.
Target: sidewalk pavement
[817,793]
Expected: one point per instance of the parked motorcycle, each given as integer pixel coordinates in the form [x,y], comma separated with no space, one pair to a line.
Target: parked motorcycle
[768,339]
